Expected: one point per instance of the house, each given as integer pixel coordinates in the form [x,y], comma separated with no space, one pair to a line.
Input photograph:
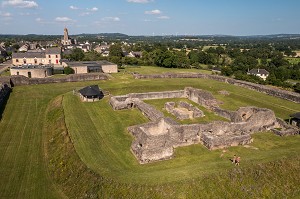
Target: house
[105,53]
[91,66]
[32,71]
[32,58]
[91,93]
[53,55]
[49,56]
[3,52]
[262,73]
[133,54]
[295,119]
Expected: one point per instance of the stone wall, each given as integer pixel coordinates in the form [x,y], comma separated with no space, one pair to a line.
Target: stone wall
[149,111]
[183,111]
[21,80]
[291,96]
[155,140]
[285,129]
[4,94]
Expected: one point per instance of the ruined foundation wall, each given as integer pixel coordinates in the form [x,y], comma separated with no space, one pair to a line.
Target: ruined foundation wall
[149,111]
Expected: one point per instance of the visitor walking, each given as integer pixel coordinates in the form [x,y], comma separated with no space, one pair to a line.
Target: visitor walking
[237,161]
[233,159]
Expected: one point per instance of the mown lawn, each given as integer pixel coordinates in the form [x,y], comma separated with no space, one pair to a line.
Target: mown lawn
[158,70]
[102,142]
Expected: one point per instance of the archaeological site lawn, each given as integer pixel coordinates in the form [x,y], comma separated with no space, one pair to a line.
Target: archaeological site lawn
[102,143]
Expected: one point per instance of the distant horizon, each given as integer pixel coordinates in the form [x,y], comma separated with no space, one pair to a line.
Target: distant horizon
[187,35]
[151,17]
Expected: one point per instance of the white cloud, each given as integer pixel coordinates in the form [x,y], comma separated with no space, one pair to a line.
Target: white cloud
[5,14]
[84,14]
[20,3]
[163,17]
[113,19]
[38,19]
[139,1]
[94,9]
[153,12]
[74,8]
[63,19]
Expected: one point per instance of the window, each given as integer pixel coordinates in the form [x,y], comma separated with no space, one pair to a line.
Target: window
[29,74]
[49,56]
[17,60]
[35,61]
[18,73]
[24,61]
[56,56]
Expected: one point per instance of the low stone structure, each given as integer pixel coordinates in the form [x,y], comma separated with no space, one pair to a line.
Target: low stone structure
[157,139]
[183,111]
[21,80]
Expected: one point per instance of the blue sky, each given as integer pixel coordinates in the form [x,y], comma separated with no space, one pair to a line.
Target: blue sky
[148,17]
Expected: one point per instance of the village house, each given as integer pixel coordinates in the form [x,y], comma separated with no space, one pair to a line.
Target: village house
[91,66]
[262,73]
[32,71]
[49,56]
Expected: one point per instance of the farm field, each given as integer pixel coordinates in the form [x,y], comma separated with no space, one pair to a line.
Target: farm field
[100,144]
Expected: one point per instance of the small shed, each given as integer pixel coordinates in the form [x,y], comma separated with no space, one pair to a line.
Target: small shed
[91,93]
[295,119]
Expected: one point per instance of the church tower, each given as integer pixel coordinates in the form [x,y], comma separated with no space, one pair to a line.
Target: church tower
[66,35]
[66,40]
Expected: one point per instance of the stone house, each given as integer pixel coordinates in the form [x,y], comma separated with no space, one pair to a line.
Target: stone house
[91,66]
[262,73]
[49,56]
[32,71]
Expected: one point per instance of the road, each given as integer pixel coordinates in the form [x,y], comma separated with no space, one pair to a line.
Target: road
[4,66]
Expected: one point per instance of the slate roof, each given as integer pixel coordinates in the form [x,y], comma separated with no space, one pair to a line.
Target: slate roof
[295,115]
[29,55]
[91,91]
[88,63]
[53,51]
[258,72]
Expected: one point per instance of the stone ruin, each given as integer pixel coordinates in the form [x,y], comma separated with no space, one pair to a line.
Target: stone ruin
[183,111]
[157,139]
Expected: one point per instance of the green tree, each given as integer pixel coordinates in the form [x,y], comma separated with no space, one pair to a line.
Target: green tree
[68,70]
[77,54]
[115,50]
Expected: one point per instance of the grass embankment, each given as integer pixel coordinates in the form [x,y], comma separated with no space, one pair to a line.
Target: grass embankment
[276,179]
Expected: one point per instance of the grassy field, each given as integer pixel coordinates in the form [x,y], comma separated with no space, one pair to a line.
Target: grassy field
[293,60]
[101,160]
[158,70]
